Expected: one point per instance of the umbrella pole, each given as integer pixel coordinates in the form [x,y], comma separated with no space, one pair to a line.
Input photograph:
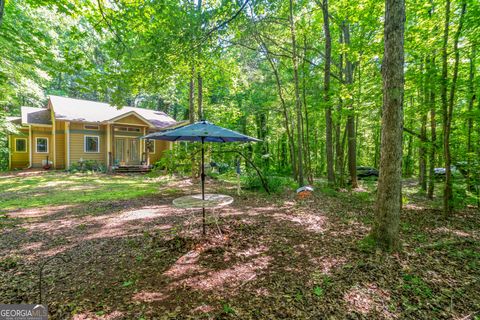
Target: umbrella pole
[203,184]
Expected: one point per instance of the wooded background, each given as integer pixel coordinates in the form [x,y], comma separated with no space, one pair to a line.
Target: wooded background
[303,76]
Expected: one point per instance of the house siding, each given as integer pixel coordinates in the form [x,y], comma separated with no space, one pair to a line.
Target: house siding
[19,160]
[66,141]
[60,144]
[131,119]
[38,159]
[77,136]
[160,147]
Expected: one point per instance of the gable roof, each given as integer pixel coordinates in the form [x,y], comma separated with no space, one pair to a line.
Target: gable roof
[91,111]
[38,116]
[128,114]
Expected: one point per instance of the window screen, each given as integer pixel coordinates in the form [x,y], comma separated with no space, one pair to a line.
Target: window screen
[92,144]
[42,145]
[20,145]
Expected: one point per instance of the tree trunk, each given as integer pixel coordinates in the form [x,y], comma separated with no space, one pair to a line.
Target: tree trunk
[422,158]
[298,103]
[433,129]
[408,158]
[377,146]
[191,98]
[326,95]
[471,100]
[191,112]
[200,97]
[351,141]
[339,154]
[387,218]
[448,106]
[2,6]
[422,152]
[447,195]
[308,156]
[291,143]
[199,76]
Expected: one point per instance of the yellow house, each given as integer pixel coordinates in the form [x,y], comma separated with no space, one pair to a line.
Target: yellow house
[69,131]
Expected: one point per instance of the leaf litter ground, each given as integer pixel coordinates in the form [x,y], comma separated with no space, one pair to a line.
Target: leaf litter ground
[270,257]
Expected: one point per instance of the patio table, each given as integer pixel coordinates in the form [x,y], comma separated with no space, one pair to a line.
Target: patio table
[212,201]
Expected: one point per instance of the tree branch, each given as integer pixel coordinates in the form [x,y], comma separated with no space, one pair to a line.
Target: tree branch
[224,23]
[119,39]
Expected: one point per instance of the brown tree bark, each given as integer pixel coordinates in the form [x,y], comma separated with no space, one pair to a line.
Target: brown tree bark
[422,151]
[351,138]
[448,105]
[447,192]
[339,145]
[326,96]
[471,100]
[306,137]
[388,206]
[298,102]
[433,128]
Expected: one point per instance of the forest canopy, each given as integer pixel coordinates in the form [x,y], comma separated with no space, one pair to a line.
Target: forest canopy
[261,67]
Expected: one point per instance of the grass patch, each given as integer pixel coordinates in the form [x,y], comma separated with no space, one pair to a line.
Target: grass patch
[414,285]
[367,244]
[52,189]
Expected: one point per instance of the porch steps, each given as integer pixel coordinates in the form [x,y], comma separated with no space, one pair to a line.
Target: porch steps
[131,169]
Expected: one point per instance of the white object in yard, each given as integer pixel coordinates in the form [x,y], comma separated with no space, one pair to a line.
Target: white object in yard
[195,201]
[305,188]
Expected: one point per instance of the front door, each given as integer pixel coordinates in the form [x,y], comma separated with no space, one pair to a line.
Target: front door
[127,151]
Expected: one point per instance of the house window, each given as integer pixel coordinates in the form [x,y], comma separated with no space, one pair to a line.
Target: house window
[92,144]
[91,127]
[20,145]
[150,145]
[127,129]
[42,145]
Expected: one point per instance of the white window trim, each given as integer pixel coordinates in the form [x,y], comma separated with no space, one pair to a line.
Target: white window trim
[85,143]
[96,125]
[26,145]
[154,146]
[36,144]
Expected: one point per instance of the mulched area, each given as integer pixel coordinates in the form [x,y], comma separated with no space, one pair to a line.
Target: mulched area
[275,258]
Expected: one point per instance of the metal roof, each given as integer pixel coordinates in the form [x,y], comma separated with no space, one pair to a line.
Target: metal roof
[32,115]
[91,111]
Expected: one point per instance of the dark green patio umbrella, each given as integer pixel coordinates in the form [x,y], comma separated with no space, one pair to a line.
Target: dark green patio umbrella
[202,131]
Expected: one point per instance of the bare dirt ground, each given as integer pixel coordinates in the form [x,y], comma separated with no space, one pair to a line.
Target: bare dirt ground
[275,258]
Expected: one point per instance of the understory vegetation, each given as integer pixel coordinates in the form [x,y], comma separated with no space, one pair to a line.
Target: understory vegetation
[132,255]
[371,105]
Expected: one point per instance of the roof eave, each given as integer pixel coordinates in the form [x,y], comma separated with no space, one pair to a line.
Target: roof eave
[124,115]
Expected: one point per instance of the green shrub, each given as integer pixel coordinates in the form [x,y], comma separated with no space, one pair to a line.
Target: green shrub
[251,181]
[87,165]
[178,160]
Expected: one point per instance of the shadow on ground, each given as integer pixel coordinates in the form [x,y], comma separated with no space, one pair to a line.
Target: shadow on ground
[270,257]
